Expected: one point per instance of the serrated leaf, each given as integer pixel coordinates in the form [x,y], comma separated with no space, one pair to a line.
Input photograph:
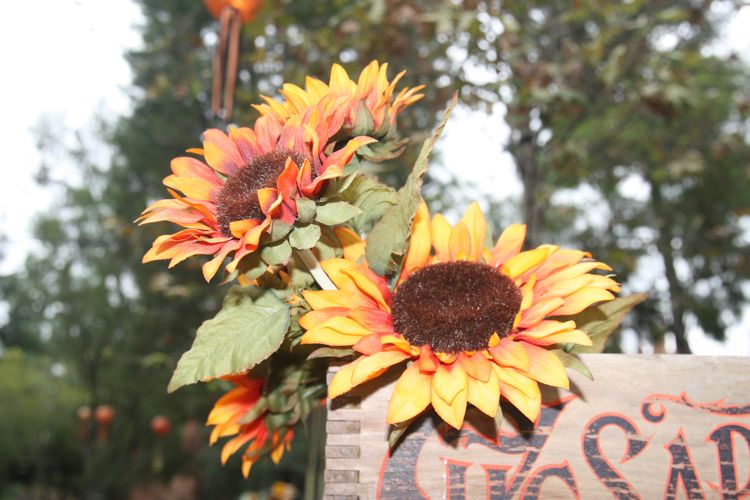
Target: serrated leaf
[305,210]
[276,254]
[336,212]
[600,321]
[304,237]
[370,196]
[573,362]
[391,234]
[249,328]
[331,352]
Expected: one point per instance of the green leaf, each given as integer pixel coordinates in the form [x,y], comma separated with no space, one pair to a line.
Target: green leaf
[249,328]
[304,237]
[336,212]
[256,411]
[305,210]
[276,254]
[300,276]
[398,430]
[499,418]
[391,234]
[600,321]
[279,229]
[363,122]
[331,352]
[573,362]
[252,266]
[370,196]
[328,246]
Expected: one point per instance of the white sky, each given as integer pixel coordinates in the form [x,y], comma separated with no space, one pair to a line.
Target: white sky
[64,59]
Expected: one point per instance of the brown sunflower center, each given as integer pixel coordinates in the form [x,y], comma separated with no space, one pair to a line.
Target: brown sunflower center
[238,198]
[455,306]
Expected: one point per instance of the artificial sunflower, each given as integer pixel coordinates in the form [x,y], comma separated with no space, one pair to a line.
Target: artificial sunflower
[248,179]
[227,415]
[372,94]
[474,321]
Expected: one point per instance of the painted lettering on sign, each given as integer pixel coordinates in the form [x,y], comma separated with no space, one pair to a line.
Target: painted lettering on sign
[513,464]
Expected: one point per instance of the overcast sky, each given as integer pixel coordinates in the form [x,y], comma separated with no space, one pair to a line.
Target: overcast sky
[63,60]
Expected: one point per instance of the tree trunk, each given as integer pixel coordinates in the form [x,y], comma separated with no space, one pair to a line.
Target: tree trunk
[528,170]
[664,245]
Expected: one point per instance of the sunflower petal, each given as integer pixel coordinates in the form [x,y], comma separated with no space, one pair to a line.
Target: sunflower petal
[509,243]
[476,366]
[485,395]
[460,243]
[453,413]
[449,382]
[546,367]
[522,262]
[342,380]
[441,236]
[420,243]
[476,225]
[582,299]
[510,353]
[372,366]
[352,245]
[411,395]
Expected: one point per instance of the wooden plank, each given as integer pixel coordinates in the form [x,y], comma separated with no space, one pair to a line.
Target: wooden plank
[649,427]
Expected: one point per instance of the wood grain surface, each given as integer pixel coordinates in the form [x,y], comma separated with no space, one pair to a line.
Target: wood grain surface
[647,427]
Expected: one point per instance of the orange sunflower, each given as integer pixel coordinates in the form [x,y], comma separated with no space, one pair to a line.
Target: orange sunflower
[372,90]
[227,414]
[249,178]
[474,321]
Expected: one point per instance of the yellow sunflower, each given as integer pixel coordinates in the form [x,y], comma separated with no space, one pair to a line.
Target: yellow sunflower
[474,322]
[247,179]
[372,90]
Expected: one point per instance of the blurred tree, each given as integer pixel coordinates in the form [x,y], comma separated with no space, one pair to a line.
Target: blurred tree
[628,106]
[600,95]
[84,298]
[596,94]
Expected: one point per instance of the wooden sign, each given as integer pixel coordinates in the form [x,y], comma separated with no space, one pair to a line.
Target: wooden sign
[648,427]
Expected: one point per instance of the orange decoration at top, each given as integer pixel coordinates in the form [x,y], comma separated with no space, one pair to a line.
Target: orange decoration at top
[231,14]
[247,8]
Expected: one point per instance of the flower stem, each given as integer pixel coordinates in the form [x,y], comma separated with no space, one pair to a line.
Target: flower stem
[318,274]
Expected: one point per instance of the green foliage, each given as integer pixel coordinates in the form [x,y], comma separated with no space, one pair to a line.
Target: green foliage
[38,435]
[304,237]
[592,100]
[572,361]
[336,212]
[249,328]
[390,235]
[371,197]
[601,320]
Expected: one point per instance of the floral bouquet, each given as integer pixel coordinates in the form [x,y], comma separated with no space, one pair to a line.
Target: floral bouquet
[329,263]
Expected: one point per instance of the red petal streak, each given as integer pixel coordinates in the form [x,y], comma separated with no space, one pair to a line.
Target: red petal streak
[368,345]
[428,362]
